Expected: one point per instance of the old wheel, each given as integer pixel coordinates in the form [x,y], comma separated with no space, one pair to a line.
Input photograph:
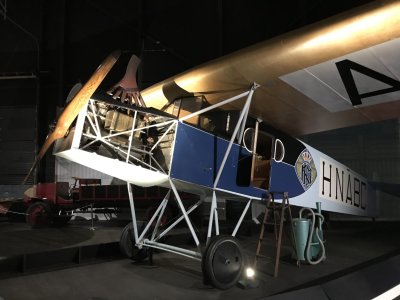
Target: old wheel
[223,262]
[38,215]
[127,243]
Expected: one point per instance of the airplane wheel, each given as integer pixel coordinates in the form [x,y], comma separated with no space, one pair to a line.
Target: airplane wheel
[223,262]
[127,243]
[38,215]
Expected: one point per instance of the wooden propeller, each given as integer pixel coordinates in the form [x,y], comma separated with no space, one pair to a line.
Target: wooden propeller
[75,106]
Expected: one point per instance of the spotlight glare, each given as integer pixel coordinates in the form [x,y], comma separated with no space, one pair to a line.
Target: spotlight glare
[250,272]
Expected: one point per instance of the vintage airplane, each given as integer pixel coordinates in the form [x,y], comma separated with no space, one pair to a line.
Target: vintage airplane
[227,129]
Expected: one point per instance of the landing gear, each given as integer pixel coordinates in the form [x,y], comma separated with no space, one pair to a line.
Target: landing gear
[223,262]
[164,219]
[223,259]
[39,215]
[127,243]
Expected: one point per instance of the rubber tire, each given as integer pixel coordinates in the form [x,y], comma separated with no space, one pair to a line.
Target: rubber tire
[39,215]
[127,243]
[223,262]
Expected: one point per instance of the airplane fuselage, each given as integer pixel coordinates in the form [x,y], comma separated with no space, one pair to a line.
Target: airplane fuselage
[306,174]
[263,161]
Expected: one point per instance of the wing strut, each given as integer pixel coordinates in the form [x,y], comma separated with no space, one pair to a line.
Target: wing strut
[239,126]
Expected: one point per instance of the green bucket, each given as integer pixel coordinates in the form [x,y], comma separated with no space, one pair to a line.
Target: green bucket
[300,230]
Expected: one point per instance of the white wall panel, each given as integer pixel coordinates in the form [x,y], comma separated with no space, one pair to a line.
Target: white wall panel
[66,170]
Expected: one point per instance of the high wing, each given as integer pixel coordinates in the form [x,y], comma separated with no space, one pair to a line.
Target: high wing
[340,72]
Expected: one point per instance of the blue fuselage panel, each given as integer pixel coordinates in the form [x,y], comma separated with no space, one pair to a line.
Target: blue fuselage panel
[284,178]
[198,155]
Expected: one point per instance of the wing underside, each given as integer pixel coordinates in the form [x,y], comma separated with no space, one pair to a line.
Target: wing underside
[340,72]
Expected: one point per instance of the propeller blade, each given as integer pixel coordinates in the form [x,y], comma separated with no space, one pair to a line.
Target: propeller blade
[75,106]
[48,142]
[82,97]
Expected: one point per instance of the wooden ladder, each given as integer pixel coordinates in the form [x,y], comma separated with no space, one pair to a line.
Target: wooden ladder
[277,208]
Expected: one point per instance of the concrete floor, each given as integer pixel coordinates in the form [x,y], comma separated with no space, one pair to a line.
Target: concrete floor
[349,247]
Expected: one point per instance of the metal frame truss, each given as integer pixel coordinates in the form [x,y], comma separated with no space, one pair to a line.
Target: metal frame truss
[130,152]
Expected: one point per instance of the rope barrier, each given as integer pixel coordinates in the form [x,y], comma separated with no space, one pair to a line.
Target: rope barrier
[6,211]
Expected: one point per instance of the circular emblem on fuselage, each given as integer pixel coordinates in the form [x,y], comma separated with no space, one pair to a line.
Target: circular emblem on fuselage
[305,169]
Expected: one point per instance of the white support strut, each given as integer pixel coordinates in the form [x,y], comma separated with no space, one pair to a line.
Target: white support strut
[133,213]
[232,99]
[162,205]
[212,215]
[131,136]
[241,218]
[197,204]
[238,125]
[177,250]
[183,210]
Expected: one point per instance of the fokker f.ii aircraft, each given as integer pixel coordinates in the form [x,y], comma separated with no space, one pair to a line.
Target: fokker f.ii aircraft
[227,129]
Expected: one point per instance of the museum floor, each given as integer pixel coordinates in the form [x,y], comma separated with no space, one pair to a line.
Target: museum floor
[363,259]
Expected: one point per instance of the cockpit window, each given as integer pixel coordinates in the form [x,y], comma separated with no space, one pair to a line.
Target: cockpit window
[185,106]
[220,123]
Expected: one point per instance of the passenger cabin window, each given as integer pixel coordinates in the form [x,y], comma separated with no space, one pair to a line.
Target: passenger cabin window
[260,144]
